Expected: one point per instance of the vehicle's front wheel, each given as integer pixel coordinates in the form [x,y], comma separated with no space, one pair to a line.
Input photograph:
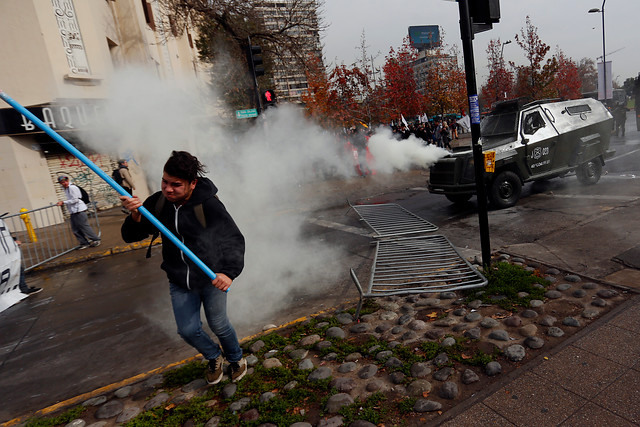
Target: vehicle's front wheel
[589,173]
[458,198]
[505,190]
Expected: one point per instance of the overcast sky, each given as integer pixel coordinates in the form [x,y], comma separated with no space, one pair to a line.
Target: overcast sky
[562,23]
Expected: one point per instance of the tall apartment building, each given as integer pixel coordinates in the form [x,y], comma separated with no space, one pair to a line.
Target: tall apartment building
[425,60]
[289,75]
[58,56]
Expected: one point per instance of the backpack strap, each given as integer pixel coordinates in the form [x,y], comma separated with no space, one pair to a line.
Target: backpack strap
[158,208]
[199,211]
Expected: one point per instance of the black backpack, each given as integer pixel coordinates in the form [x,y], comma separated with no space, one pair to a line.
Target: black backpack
[83,195]
[116,176]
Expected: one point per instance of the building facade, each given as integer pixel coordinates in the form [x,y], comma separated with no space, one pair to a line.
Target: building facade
[58,57]
[289,74]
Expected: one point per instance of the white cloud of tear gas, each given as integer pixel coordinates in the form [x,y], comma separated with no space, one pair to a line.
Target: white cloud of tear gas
[265,178]
[261,175]
[391,154]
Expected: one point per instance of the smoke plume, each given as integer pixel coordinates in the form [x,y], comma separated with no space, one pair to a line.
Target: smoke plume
[261,174]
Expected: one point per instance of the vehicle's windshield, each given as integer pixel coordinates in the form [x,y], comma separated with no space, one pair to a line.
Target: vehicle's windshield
[499,125]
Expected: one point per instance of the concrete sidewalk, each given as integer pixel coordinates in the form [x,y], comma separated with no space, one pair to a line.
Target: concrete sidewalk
[591,379]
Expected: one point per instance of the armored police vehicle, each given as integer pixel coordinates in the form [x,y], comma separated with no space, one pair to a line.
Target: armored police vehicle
[524,142]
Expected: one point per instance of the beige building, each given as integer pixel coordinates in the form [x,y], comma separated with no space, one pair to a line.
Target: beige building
[57,57]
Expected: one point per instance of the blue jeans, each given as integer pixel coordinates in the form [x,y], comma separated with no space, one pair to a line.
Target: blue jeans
[186,310]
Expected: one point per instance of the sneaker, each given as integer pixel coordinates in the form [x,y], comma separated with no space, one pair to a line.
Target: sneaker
[238,369]
[95,243]
[83,247]
[213,374]
[32,290]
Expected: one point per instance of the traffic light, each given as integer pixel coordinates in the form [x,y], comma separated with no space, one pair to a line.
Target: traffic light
[255,61]
[484,13]
[268,98]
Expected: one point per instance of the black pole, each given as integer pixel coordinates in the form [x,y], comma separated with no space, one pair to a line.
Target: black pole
[604,57]
[474,114]
[254,78]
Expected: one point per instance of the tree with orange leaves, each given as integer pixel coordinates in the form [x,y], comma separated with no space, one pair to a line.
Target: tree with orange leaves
[567,80]
[336,99]
[401,91]
[535,79]
[445,88]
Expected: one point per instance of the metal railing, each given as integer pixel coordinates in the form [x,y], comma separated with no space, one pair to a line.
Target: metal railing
[45,233]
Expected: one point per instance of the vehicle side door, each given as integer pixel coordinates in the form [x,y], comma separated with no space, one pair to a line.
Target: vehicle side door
[540,139]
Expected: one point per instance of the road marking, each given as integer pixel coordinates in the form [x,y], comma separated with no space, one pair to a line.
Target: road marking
[340,227]
[623,155]
[591,197]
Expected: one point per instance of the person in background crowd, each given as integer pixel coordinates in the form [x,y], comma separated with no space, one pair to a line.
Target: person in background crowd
[620,116]
[359,141]
[78,214]
[437,134]
[446,136]
[189,207]
[127,180]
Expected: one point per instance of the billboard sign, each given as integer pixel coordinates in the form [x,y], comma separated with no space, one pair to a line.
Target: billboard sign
[424,36]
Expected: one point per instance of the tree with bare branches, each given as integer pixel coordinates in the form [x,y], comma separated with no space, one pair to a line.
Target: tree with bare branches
[226,27]
[499,85]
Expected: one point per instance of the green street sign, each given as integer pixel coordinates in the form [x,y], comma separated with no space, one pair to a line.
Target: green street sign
[246,114]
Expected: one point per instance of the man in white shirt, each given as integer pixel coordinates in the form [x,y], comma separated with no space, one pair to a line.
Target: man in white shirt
[78,210]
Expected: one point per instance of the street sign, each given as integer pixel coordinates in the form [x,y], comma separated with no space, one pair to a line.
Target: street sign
[246,114]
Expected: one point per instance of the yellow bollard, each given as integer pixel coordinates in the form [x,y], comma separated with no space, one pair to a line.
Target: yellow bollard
[27,222]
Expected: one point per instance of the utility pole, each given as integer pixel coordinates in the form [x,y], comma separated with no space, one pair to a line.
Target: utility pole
[485,13]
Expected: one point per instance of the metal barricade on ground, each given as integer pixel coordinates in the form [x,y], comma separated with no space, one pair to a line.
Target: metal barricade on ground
[408,261]
[45,233]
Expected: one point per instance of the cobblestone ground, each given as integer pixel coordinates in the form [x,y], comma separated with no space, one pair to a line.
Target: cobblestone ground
[570,303]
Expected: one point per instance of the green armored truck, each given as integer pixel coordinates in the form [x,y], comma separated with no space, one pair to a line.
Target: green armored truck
[524,142]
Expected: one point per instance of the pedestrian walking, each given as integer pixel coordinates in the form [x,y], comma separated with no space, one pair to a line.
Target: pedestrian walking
[78,214]
[189,207]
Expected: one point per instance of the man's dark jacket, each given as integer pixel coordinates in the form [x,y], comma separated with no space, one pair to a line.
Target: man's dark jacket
[220,246]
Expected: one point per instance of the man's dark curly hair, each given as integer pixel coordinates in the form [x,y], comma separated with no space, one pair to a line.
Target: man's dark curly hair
[184,165]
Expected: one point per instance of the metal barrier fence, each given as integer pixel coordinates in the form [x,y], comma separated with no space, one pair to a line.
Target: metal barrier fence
[45,233]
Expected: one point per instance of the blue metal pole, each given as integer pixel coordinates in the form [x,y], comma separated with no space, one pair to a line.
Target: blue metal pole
[73,150]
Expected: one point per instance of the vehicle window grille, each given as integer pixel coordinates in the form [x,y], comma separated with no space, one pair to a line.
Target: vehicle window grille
[577,109]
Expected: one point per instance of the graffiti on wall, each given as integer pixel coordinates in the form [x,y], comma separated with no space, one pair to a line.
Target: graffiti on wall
[99,191]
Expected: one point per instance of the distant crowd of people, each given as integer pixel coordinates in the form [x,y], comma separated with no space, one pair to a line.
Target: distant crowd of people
[438,132]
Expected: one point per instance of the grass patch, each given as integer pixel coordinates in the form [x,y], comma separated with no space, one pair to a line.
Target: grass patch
[61,419]
[184,374]
[371,409]
[506,280]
